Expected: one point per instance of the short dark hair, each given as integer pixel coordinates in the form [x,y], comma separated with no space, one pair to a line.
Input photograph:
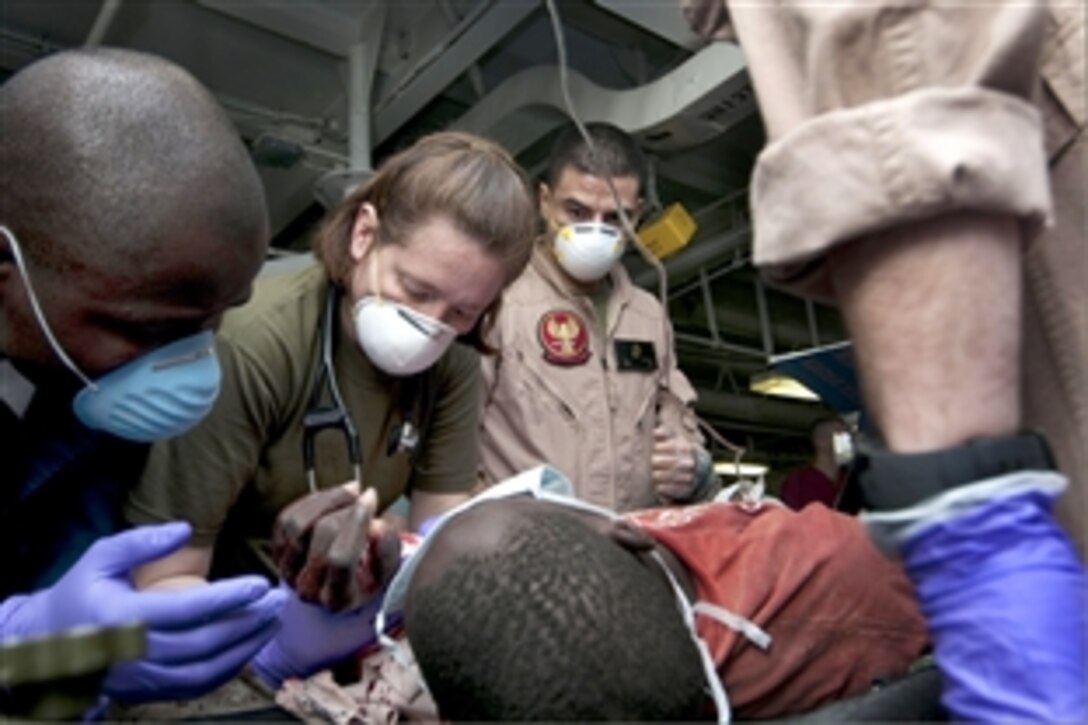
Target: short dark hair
[554,622]
[107,154]
[614,153]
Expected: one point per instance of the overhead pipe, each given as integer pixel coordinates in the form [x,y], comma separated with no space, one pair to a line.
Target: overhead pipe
[741,326]
[474,75]
[334,186]
[757,410]
[708,302]
[102,22]
[478,32]
[701,254]
[22,48]
[813,328]
[764,319]
[739,261]
[359,84]
[719,345]
[704,97]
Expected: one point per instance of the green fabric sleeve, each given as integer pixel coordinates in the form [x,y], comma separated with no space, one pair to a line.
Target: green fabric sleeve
[198,476]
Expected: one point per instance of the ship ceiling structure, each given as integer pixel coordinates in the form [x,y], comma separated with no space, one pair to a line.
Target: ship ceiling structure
[323,90]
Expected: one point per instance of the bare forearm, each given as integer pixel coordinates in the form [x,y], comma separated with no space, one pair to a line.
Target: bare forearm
[934,312]
[188,566]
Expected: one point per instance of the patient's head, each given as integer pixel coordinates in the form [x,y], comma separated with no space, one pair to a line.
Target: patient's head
[525,610]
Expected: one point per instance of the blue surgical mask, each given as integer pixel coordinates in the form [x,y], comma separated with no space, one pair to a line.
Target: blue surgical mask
[158,395]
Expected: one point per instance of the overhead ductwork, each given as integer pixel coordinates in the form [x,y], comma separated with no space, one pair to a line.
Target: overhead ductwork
[757,411]
[702,98]
[334,186]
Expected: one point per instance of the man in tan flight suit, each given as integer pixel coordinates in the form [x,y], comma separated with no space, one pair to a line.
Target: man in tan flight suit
[585,376]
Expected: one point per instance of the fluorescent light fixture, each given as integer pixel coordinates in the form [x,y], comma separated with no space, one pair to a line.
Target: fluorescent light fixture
[728,468]
[779,385]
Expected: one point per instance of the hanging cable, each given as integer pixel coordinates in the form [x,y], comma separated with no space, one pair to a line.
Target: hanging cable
[568,102]
[647,255]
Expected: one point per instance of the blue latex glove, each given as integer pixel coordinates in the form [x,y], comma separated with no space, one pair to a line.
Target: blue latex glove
[197,638]
[312,638]
[1003,592]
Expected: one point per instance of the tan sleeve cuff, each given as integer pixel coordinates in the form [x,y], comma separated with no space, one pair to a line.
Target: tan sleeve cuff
[856,171]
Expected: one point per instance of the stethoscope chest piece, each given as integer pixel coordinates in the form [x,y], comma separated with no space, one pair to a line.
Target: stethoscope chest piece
[319,417]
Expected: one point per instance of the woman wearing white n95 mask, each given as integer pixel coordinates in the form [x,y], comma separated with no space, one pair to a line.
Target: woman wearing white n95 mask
[347,372]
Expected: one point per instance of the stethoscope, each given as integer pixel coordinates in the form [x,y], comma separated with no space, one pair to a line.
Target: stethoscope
[321,417]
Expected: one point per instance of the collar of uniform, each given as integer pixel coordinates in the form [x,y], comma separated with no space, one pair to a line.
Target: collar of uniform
[15,389]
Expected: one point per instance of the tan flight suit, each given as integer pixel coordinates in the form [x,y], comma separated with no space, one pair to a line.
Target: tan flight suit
[879,115]
[557,392]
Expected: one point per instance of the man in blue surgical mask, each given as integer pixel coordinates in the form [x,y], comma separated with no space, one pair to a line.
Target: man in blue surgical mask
[131,219]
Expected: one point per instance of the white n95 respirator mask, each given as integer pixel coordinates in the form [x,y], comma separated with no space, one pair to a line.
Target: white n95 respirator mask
[158,395]
[398,339]
[588,251]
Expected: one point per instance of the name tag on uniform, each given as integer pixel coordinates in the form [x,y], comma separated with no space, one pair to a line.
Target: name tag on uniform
[638,355]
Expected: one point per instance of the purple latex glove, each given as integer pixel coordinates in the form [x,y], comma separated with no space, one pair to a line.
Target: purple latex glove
[312,638]
[197,638]
[1003,592]
[425,527]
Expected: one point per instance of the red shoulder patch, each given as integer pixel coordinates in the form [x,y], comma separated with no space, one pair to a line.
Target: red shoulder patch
[564,337]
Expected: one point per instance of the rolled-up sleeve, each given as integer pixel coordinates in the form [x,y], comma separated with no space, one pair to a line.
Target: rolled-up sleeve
[883,113]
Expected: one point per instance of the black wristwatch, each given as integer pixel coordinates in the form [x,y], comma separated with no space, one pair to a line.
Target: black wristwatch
[886,481]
